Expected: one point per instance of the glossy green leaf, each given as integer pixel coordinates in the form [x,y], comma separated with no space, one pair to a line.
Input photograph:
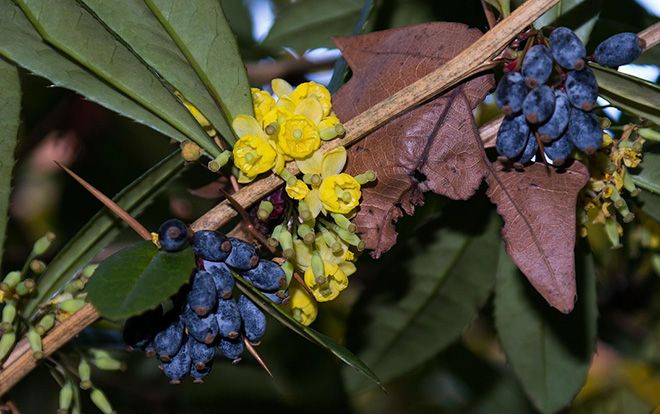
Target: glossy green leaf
[647,175]
[650,204]
[549,352]
[102,229]
[74,31]
[136,25]
[20,43]
[447,286]
[306,332]
[629,93]
[503,6]
[578,15]
[138,278]
[309,24]
[10,111]
[203,35]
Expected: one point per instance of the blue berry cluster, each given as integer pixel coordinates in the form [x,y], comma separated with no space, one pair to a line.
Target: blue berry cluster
[548,98]
[206,318]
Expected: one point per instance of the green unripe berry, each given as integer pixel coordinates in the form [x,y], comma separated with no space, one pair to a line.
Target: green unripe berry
[34,339]
[72,305]
[85,374]
[366,177]
[45,324]
[265,210]
[66,397]
[101,401]
[220,161]
[7,342]
[10,281]
[42,244]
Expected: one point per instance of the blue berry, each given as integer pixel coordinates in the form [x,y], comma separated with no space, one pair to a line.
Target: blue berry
[204,329]
[139,331]
[243,255]
[584,131]
[528,153]
[202,296]
[567,49]
[556,125]
[232,348]
[582,89]
[200,354]
[179,366]
[620,49]
[211,245]
[229,318]
[267,276]
[539,104]
[510,93]
[222,277]
[168,341]
[279,297]
[559,150]
[199,375]
[512,136]
[537,66]
[254,320]
[173,235]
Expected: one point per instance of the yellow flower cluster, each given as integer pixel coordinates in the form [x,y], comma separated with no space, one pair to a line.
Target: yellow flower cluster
[609,180]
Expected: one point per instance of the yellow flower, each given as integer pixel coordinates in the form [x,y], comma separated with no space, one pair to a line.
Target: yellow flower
[298,191]
[329,286]
[298,137]
[253,155]
[340,193]
[303,308]
[263,103]
[313,90]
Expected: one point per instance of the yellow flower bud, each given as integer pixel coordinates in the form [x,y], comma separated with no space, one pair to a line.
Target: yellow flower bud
[303,308]
[340,193]
[313,90]
[262,102]
[298,191]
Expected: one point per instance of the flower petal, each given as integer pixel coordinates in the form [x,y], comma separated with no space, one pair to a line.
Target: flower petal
[313,200]
[247,125]
[333,161]
[312,164]
[311,108]
[281,87]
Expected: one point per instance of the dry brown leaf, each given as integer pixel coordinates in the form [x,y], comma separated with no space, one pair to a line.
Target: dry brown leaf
[430,148]
[538,207]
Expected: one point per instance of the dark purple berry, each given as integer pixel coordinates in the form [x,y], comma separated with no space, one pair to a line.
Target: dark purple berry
[173,235]
[200,354]
[254,320]
[243,255]
[179,366]
[567,49]
[267,276]
[582,89]
[528,153]
[539,104]
[556,125]
[510,93]
[211,245]
[232,348]
[139,331]
[222,277]
[559,150]
[204,329]
[202,296]
[537,66]
[584,130]
[620,49]
[168,341]
[229,318]
[279,297]
[512,136]
[199,375]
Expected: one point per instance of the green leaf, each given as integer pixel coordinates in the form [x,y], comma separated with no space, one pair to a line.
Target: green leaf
[10,119]
[629,93]
[136,25]
[102,229]
[647,176]
[309,24]
[306,332]
[504,6]
[549,352]
[20,43]
[203,35]
[447,286]
[138,278]
[578,15]
[650,204]
[74,31]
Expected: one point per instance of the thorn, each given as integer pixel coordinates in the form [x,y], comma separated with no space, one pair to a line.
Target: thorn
[256,356]
[111,205]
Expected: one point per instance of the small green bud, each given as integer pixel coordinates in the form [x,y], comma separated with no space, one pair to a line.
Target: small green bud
[25,287]
[101,401]
[37,266]
[9,312]
[272,128]
[345,235]
[85,374]
[103,360]
[344,222]
[34,339]
[10,281]
[190,151]
[287,176]
[7,342]
[66,397]
[366,177]
[42,244]
[288,268]
[89,270]
[220,161]
[341,131]
[71,305]
[649,133]
[330,240]
[286,241]
[612,233]
[316,180]
[327,134]
[45,324]
[304,212]
[317,267]
[265,210]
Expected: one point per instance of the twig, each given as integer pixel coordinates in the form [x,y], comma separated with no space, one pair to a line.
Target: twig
[476,58]
[650,35]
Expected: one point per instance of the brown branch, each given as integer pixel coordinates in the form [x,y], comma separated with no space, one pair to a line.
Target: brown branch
[478,57]
[650,35]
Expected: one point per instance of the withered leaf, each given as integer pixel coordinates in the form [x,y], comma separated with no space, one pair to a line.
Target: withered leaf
[430,148]
[538,207]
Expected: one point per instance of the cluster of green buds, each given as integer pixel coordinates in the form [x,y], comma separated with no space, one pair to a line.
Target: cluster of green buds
[610,182]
